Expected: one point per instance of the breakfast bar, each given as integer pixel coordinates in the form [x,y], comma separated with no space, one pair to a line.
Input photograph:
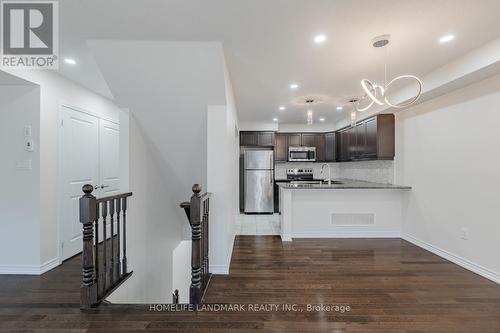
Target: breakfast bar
[343,209]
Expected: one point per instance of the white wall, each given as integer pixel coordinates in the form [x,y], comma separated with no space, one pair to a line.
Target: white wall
[152,233]
[181,268]
[170,99]
[19,199]
[54,91]
[220,182]
[448,150]
[223,178]
[168,96]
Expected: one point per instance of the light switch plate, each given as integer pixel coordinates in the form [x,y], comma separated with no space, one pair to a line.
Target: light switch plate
[27,131]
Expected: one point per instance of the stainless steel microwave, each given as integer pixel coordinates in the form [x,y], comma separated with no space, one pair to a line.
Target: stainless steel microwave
[302,154]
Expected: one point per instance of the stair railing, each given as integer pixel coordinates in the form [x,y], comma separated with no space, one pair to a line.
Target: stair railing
[104,256]
[198,213]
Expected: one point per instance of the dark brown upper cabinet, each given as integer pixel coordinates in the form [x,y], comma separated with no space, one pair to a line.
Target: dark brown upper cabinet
[265,139]
[248,139]
[370,139]
[257,139]
[330,147]
[294,140]
[280,147]
[320,143]
[370,127]
[308,140]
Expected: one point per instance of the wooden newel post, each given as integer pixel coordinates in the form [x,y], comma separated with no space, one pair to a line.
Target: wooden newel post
[88,290]
[195,219]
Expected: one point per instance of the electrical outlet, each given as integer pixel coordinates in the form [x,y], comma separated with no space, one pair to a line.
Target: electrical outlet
[465,234]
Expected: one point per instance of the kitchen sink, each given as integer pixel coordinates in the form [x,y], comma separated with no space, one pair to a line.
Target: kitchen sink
[310,183]
[334,182]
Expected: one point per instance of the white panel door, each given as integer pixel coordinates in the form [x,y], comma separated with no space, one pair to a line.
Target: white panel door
[79,166]
[109,165]
[109,147]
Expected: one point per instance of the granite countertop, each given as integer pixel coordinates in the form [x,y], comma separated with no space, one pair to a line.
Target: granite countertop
[342,184]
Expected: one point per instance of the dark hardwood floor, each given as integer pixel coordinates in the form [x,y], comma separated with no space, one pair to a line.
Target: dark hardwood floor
[389,285]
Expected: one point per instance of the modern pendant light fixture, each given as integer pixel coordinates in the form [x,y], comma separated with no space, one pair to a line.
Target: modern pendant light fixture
[309,102]
[354,114]
[309,117]
[378,94]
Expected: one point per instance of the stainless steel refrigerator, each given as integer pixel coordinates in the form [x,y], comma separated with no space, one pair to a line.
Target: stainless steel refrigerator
[259,181]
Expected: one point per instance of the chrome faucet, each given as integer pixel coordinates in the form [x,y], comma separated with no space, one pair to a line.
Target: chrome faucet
[329,172]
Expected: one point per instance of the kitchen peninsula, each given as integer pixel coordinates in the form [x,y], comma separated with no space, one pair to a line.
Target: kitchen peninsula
[344,209]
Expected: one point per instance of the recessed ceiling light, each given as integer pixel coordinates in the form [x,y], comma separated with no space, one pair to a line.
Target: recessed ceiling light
[275,119]
[339,108]
[446,39]
[282,108]
[322,119]
[318,39]
[294,86]
[70,61]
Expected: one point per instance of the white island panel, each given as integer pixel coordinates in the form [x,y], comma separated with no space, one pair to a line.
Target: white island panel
[307,213]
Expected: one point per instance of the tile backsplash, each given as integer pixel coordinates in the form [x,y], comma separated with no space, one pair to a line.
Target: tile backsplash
[372,171]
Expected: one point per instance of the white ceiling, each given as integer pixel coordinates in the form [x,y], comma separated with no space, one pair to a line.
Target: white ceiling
[269,43]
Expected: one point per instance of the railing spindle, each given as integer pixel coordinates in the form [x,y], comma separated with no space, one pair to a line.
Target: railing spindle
[102,273]
[124,260]
[112,254]
[118,239]
[96,249]
[105,245]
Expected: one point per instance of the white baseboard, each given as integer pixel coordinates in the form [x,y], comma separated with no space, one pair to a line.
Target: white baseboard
[345,234]
[467,264]
[219,269]
[29,269]
[224,269]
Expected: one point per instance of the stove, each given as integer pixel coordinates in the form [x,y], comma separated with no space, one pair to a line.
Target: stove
[300,175]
